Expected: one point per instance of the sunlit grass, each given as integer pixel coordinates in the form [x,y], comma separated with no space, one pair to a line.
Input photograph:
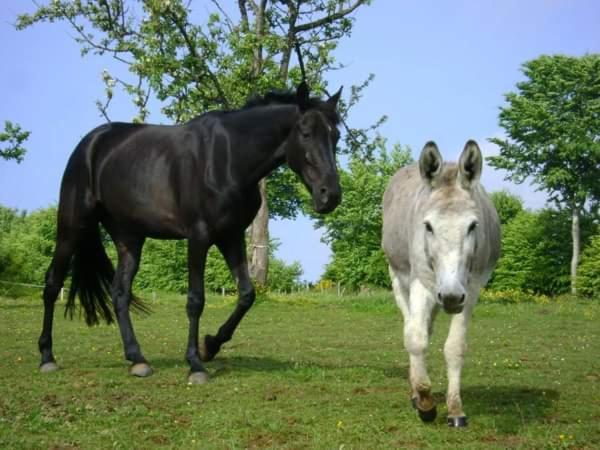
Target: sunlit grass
[303,371]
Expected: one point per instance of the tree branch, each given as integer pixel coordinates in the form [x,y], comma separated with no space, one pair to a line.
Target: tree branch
[330,18]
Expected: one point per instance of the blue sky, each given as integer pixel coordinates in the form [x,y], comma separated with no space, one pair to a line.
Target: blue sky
[441,69]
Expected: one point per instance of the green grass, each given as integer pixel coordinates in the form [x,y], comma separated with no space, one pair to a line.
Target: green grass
[304,371]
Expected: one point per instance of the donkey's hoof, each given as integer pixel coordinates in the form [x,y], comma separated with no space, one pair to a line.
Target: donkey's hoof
[427,416]
[457,422]
[49,367]
[198,378]
[140,370]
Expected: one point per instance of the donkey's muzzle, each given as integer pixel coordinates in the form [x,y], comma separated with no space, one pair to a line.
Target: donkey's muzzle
[452,302]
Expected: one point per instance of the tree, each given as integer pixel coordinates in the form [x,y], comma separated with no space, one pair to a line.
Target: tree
[553,128]
[354,229]
[192,68]
[535,255]
[507,205]
[14,137]
[588,276]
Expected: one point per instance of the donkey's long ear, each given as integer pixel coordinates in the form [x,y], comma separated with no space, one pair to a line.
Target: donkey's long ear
[470,164]
[430,163]
[302,96]
[335,98]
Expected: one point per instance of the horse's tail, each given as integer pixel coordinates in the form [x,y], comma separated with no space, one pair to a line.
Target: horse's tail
[91,278]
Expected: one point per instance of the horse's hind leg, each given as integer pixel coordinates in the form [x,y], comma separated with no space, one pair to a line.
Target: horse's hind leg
[234,252]
[129,251]
[55,277]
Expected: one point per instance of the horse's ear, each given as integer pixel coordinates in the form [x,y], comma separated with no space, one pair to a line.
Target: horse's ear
[302,96]
[430,163]
[470,164]
[335,98]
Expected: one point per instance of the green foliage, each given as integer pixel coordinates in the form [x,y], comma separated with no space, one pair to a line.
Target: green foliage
[354,228]
[14,138]
[588,275]
[553,125]
[535,254]
[26,244]
[512,296]
[507,205]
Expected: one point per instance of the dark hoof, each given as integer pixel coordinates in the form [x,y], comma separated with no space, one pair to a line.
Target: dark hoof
[457,422]
[49,367]
[208,348]
[425,416]
[140,370]
[198,378]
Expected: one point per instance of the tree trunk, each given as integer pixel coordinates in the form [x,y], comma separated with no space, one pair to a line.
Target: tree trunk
[576,238]
[259,239]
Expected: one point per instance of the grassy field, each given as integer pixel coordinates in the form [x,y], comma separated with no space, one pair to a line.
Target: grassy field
[302,372]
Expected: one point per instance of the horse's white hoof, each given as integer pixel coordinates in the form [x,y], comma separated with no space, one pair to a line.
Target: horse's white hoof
[49,367]
[457,422]
[198,378]
[140,370]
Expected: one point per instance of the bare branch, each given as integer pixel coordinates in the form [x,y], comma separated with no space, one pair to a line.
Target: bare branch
[330,18]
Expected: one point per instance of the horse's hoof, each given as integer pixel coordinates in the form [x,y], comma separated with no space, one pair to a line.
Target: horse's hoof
[427,416]
[49,367]
[140,370]
[205,353]
[457,422]
[198,378]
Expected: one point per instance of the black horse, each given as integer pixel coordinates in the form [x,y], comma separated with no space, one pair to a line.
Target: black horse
[197,181]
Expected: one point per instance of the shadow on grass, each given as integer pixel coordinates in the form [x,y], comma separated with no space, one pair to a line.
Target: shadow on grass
[510,407]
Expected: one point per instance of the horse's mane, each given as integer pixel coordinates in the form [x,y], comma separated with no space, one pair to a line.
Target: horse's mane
[288,97]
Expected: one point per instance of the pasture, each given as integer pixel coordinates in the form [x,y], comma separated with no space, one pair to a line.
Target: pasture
[302,371]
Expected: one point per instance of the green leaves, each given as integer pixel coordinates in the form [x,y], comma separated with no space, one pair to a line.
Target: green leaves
[354,228]
[11,142]
[553,127]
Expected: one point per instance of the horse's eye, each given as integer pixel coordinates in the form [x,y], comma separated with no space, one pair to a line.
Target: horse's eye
[428,227]
[472,227]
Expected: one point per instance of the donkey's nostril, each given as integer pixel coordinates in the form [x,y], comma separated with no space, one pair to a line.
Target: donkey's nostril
[462,299]
[440,296]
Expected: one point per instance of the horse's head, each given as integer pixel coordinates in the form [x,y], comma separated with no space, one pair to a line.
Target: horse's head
[451,222]
[311,149]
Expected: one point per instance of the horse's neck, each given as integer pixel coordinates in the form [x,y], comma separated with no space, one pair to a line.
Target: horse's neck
[266,130]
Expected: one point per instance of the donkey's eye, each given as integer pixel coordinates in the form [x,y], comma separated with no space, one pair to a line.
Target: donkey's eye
[305,134]
[472,227]
[428,227]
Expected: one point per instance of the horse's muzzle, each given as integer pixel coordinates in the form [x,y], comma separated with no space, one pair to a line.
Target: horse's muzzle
[326,199]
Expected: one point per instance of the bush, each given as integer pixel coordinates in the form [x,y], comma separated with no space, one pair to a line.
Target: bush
[588,274]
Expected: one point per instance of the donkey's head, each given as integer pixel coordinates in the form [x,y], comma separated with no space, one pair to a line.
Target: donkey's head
[450,222]
[311,148]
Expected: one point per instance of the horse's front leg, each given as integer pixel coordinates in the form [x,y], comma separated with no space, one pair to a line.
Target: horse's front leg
[197,251]
[234,251]
[454,351]
[417,330]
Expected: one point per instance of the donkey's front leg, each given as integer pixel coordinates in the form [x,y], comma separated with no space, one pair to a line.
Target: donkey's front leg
[417,329]
[197,251]
[454,352]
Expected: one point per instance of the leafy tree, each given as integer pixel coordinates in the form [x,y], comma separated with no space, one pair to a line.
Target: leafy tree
[588,276]
[194,67]
[354,228]
[534,253]
[553,128]
[11,140]
[507,205]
